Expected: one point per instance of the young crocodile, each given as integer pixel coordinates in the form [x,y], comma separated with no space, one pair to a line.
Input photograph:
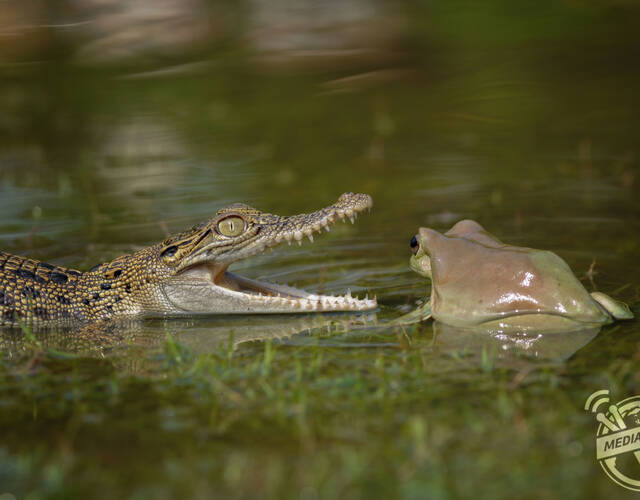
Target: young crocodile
[185,274]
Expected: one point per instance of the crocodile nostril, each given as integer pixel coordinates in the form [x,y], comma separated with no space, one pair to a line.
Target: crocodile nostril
[414,245]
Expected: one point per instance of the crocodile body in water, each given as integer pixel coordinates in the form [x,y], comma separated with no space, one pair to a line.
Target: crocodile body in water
[185,274]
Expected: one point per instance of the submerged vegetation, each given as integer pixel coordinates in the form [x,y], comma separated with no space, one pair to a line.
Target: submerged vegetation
[352,416]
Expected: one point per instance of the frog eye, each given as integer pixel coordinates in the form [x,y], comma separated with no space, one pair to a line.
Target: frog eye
[231,226]
[415,246]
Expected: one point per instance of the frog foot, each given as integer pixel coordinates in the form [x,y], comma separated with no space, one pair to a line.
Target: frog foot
[617,309]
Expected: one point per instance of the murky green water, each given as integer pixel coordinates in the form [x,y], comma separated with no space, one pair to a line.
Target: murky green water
[525,121]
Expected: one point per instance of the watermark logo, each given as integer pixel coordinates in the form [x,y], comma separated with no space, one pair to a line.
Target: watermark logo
[617,437]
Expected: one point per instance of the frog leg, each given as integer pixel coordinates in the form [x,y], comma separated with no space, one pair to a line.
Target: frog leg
[422,313]
[617,309]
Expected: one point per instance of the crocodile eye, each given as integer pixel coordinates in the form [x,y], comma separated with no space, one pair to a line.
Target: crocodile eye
[169,251]
[231,226]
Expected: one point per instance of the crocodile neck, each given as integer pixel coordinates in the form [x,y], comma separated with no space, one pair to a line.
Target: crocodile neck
[185,274]
[34,291]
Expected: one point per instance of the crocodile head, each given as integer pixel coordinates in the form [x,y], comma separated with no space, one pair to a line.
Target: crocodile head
[196,279]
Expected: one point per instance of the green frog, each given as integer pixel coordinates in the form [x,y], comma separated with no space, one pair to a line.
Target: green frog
[480,282]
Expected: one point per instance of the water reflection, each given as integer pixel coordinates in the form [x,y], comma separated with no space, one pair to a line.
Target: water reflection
[201,335]
[123,340]
[512,346]
[94,32]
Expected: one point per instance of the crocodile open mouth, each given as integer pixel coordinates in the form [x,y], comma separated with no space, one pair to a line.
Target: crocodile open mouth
[209,286]
[262,296]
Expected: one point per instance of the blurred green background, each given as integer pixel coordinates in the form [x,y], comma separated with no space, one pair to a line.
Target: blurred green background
[120,120]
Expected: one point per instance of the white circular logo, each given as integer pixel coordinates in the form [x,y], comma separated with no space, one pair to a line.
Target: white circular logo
[618,437]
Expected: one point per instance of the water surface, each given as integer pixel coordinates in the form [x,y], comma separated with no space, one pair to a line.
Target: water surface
[524,121]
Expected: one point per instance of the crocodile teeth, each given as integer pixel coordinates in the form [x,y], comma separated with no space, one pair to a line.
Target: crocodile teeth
[276,297]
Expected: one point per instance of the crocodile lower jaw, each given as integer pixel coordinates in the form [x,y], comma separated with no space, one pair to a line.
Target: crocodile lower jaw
[202,289]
